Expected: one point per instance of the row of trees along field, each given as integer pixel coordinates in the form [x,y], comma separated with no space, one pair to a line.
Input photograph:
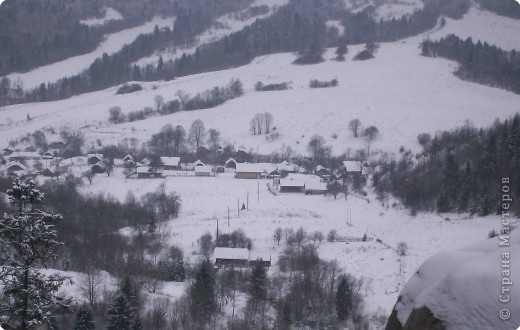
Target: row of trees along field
[297,27]
[458,171]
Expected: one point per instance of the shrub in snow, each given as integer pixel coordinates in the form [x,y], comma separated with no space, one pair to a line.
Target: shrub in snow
[402,248]
[125,89]
[332,235]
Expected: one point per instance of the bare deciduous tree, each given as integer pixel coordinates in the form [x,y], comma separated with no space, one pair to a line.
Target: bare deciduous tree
[354,126]
[159,102]
[214,138]
[268,122]
[197,132]
[90,284]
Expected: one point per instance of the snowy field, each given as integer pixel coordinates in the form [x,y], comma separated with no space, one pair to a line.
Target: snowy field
[110,15]
[206,200]
[400,92]
[74,65]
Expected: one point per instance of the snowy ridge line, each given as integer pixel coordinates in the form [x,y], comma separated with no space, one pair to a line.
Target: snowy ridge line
[77,64]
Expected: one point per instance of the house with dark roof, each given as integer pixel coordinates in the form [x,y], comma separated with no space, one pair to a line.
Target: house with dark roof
[145,172]
[93,159]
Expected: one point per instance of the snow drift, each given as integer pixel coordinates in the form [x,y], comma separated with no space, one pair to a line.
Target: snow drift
[462,289]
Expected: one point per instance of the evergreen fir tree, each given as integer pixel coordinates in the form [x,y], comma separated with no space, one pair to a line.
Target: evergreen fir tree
[466,189]
[442,202]
[28,239]
[451,179]
[342,50]
[258,285]
[203,303]
[119,314]
[343,299]
[84,319]
[137,324]
[130,294]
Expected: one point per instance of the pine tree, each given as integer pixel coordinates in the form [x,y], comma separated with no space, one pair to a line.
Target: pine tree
[258,284]
[128,291]
[451,179]
[119,314]
[27,240]
[343,299]
[84,319]
[203,303]
[342,50]
[466,189]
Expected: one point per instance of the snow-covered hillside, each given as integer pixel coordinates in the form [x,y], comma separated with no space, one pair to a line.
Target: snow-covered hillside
[400,92]
[74,65]
[484,26]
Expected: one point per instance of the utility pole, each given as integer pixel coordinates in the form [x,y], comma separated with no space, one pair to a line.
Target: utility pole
[248,200]
[258,190]
[238,207]
[228,216]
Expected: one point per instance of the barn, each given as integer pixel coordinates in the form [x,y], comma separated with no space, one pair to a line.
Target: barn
[93,159]
[231,256]
[231,163]
[288,186]
[171,163]
[203,170]
[144,172]
[251,171]
[315,188]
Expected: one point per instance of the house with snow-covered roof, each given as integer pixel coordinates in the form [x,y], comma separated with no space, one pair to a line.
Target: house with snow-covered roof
[171,163]
[93,159]
[231,163]
[315,188]
[203,170]
[145,172]
[353,167]
[288,185]
[224,256]
[253,170]
[12,168]
[21,156]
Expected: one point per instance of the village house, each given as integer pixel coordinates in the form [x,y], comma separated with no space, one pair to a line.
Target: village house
[170,163]
[199,163]
[99,167]
[48,172]
[315,188]
[128,161]
[7,151]
[15,168]
[231,163]
[253,170]
[51,154]
[93,159]
[22,156]
[203,170]
[288,186]
[145,172]
[353,167]
[238,257]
